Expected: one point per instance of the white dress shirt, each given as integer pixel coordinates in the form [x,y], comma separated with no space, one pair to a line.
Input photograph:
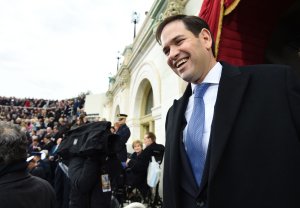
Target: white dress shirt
[213,77]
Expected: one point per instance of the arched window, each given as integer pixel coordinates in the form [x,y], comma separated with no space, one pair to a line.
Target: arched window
[146,119]
[149,102]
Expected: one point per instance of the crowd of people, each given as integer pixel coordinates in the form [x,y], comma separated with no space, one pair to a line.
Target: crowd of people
[45,125]
[14,109]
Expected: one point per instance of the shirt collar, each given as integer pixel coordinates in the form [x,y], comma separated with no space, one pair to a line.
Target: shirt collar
[213,76]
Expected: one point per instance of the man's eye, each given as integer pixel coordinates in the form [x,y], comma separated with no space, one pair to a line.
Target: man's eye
[178,42]
[166,52]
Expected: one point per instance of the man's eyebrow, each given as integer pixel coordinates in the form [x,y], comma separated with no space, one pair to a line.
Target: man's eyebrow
[172,40]
[177,37]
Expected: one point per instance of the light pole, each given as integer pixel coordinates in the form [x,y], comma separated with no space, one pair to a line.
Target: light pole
[118,60]
[135,19]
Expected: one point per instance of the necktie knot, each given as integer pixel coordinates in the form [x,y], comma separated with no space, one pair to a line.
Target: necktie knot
[200,90]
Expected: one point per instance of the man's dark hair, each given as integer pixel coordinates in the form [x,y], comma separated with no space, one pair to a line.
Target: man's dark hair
[192,23]
[151,135]
[13,143]
[48,136]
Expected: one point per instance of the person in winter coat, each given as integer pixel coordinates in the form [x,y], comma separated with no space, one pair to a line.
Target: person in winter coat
[17,187]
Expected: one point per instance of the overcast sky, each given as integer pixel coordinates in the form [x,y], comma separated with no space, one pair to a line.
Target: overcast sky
[56,49]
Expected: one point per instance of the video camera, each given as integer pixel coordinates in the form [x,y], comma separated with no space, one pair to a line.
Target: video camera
[90,140]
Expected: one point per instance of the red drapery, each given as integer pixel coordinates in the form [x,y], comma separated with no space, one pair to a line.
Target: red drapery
[242,28]
[213,11]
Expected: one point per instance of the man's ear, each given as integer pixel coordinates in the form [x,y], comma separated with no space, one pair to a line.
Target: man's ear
[205,36]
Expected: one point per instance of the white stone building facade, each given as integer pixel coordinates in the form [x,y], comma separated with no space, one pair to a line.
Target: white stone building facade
[144,86]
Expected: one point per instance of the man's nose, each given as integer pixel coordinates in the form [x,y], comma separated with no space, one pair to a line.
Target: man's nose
[174,52]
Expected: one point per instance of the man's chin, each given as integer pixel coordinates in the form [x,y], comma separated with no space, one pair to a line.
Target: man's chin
[186,78]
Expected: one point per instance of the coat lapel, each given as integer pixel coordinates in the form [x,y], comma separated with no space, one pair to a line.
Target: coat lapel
[230,95]
[177,116]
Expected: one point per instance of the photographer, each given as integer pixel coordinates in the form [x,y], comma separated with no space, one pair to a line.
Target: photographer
[93,164]
[90,183]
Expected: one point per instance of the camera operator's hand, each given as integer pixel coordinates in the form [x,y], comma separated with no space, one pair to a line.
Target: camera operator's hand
[127,161]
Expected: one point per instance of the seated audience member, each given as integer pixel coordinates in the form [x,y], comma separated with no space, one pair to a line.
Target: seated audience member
[139,165]
[79,121]
[62,127]
[151,149]
[17,187]
[49,132]
[32,132]
[56,134]
[35,145]
[137,146]
[48,143]
[53,152]
[51,123]
[133,178]
[39,166]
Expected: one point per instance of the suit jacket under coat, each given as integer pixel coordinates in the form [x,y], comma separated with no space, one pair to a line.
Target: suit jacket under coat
[254,151]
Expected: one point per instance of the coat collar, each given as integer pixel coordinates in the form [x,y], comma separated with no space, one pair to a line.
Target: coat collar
[13,172]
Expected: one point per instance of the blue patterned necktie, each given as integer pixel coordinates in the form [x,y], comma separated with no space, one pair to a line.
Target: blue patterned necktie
[194,143]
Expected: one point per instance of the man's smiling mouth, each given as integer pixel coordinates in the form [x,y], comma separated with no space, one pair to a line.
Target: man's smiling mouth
[181,62]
